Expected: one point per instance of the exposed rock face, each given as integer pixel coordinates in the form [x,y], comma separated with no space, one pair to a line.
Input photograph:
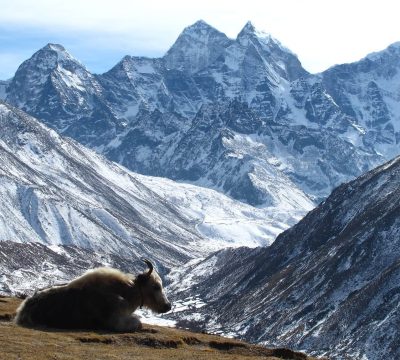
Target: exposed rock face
[330,284]
[315,130]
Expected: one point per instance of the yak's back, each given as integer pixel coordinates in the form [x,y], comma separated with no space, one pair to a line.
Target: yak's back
[110,278]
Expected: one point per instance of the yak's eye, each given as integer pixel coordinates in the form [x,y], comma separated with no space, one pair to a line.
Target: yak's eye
[157,287]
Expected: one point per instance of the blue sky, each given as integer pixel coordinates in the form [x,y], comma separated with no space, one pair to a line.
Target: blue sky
[99,33]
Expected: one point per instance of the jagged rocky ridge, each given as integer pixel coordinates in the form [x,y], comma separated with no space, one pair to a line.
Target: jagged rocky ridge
[265,115]
[329,284]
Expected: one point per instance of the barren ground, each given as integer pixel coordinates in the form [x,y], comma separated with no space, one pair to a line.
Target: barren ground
[153,342]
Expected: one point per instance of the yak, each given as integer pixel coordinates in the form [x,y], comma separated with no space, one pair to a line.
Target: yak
[102,299]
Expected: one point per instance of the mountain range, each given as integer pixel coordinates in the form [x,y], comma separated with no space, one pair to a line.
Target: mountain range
[229,114]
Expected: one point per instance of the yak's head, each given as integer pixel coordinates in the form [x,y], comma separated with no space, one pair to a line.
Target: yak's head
[152,292]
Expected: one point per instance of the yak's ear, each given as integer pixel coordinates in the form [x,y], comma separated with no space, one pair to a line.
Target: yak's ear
[142,279]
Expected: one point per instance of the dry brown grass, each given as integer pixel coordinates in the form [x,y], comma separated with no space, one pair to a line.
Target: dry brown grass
[154,342]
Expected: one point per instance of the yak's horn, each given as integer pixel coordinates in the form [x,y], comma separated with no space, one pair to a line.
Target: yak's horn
[150,265]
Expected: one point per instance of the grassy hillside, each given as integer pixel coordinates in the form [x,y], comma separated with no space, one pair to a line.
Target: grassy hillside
[153,342]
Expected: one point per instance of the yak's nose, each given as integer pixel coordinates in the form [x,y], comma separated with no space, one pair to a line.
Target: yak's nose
[167,307]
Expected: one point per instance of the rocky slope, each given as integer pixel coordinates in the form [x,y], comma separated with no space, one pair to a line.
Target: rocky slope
[330,284]
[55,191]
[26,267]
[264,114]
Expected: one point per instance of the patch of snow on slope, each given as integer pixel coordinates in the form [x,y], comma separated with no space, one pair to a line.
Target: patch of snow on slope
[148,317]
[224,221]
[71,79]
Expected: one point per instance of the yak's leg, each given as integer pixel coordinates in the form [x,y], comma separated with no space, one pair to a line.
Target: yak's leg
[126,323]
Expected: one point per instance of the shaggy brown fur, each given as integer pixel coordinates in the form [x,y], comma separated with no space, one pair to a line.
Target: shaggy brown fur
[102,298]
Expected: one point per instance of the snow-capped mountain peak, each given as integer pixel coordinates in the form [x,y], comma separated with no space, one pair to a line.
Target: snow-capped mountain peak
[248,28]
[50,57]
[250,32]
[196,47]
[52,81]
[60,51]
[199,27]
[276,56]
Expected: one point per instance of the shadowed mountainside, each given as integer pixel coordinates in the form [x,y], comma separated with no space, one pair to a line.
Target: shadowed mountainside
[329,284]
